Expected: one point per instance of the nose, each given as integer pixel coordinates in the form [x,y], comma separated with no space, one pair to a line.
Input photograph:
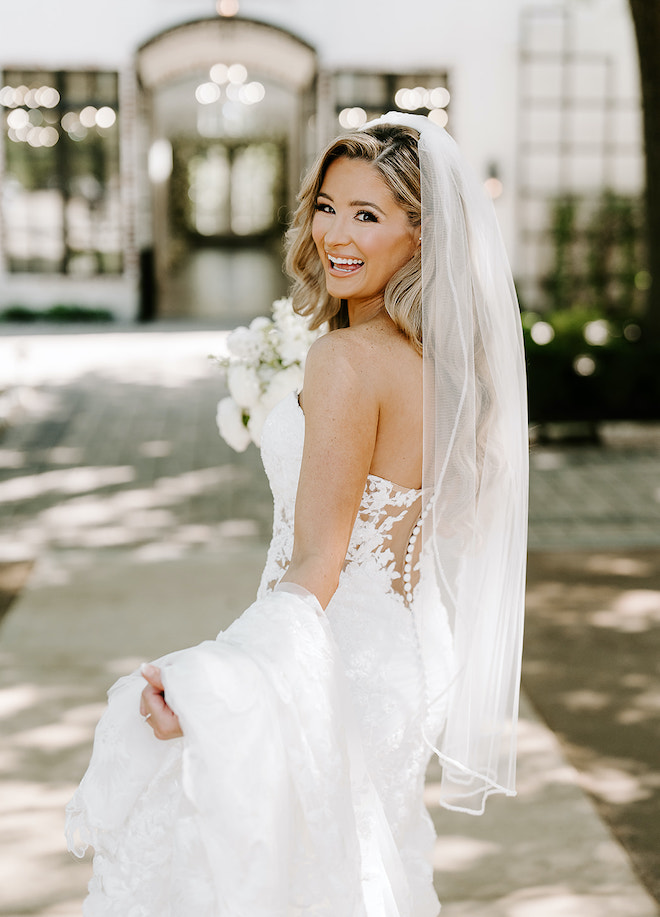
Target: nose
[338,232]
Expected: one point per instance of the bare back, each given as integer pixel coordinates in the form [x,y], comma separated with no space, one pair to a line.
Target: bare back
[362,400]
[397,455]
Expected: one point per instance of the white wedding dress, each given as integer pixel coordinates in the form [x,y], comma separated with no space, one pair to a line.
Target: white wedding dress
[297,790]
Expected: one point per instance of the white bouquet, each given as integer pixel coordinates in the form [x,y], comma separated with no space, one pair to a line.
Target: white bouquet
[265,363]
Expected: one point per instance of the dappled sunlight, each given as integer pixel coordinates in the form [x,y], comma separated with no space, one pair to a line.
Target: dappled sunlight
[613,785]
[145,518]
[12,458]
[66,455]
[156,541]
[642,604]
[37,874]
[585,700]
[53,737]
[16,698]
[647,704]
[591,665]
[562,901]
[64,481]
[546,460]
[169,358]
[454,853]
[618,566]
[122,665]
[157,448]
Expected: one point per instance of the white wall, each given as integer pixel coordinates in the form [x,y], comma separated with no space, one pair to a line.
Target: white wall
[476,41]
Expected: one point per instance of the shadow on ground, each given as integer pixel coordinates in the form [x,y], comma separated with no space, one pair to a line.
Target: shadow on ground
[592,669]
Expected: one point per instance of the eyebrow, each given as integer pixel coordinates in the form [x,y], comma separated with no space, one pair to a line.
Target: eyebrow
[354,203]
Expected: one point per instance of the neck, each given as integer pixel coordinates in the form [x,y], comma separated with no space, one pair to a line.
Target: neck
[361,312]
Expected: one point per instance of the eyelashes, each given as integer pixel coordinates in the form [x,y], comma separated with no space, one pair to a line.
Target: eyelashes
[362,216]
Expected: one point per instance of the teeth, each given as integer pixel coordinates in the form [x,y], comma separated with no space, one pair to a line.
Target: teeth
[345,260]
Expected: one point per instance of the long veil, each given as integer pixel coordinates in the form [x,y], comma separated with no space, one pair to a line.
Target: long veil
[475,476]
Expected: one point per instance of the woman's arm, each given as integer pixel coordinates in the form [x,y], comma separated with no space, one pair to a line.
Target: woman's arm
[341,421]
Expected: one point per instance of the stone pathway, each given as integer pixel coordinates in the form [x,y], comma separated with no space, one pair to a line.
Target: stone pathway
[149,533]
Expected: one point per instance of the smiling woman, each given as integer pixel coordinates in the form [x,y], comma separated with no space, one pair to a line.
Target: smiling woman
[361,233]
[290,775]
[383,208]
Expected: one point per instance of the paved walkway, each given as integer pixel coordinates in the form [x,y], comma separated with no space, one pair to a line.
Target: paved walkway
[149,534]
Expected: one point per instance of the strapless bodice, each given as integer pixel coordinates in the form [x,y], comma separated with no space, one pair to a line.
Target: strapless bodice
[384,520]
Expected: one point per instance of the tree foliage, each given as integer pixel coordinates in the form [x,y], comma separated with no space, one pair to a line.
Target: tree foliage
[646,19]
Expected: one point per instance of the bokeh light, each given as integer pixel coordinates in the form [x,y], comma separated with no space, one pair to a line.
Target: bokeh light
[596,333]
[237,73]
[227,7]
[584,365]
[47,97]
[351,118]
[421,97]
[251,93]
[218,73]
[87,116]
[105,117]
[632,332]
[439,116]
[207,93]
[49,136]
[18,118]
[493,186]
[160,160]
[439,97]
[542,332]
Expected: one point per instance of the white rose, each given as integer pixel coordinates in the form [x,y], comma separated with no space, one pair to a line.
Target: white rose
[260,323]
[244,344]
[294,347]
[244,386]
[287,381]
[282,308]
[229,418]
[256,422]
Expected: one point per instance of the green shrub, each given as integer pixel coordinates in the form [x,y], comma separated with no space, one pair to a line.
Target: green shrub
[61,313]
[573,378]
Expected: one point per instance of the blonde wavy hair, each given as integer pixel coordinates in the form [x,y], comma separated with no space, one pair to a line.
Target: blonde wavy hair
[392,150]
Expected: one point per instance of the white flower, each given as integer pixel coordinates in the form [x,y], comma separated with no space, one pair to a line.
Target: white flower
[229,418]
[265,363]
[256,422]
[282,308]
[244,385]
[285,382]
[261,323]
[293,348]
[244,344]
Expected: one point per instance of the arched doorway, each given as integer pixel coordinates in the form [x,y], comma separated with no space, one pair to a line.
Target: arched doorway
[227,106]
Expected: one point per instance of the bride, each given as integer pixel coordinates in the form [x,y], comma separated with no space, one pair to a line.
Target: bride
[279,769]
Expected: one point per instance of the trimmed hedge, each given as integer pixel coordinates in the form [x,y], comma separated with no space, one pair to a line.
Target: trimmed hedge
[60,313]
[571,379]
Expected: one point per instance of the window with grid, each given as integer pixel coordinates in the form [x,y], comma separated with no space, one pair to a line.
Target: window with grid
[61,203]
[361,96]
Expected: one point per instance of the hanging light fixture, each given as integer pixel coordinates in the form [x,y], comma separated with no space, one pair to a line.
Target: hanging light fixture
[227,7]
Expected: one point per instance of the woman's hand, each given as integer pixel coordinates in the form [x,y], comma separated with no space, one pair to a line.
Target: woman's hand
[162,719]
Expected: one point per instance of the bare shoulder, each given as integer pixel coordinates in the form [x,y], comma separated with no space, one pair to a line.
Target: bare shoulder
[360,355]
[339,362]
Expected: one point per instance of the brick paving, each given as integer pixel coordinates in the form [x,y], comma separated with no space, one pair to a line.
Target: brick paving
[125,453]
[113,477]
